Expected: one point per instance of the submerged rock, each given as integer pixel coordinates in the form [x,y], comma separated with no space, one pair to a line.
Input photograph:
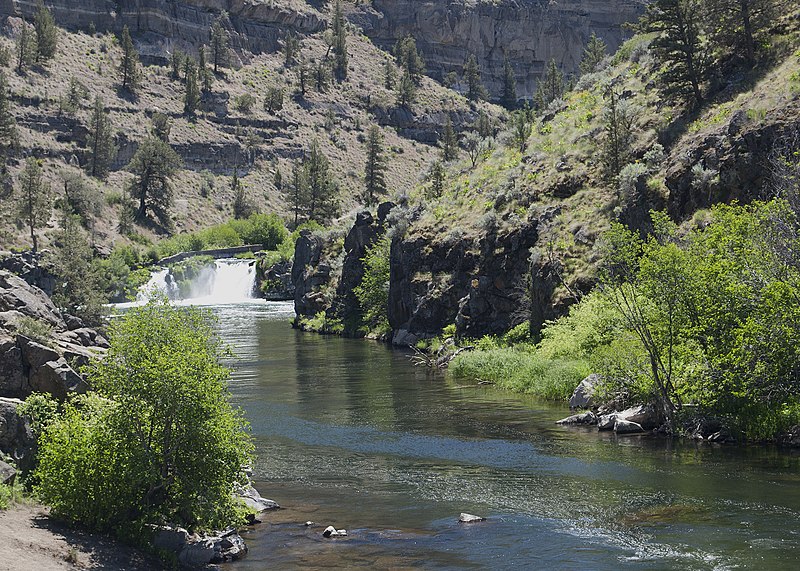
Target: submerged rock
[331,531]
[254,500]
[586,418]
[470,518]
[626,427]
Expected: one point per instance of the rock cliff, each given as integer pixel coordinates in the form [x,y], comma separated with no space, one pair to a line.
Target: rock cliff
[531,32]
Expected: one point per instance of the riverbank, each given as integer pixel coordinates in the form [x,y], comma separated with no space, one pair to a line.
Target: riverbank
[32,541]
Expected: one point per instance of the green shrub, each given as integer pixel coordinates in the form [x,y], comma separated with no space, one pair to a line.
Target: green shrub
[159,441]
[35,329]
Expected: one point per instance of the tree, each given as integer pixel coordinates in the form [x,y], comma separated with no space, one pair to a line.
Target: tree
[291,48]
[82,198]
[79,289]
[302,77]
[389,74]
[522,128]
[321,76]
[509,97]
[242,208]
[483,125]
[191,99]
[204,76]
[408,58]
[737,26]
[449,142]
[177,61]
[551,86]
[153,164]
[220,42]
[34,203]
[273,101]
[322,199]
[8,125]
[46,33]
[476,146]
[339,43]
[162,125]
[472,75]
[26,47]
[295,193]
[436,176]
[159,431]
[102,149]
[129,66]
[593,54]
[406,91]
[375,168]
[373,291]
[615,146]
[679,48]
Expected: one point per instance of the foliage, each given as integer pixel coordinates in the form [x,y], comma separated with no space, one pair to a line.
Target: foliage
[509,96]
[220,41]
[339,42]
[102,149]
[129,65]
[472,75]
[9,139]
[26,47]
[35,201]
[618,135]
[273,100]
[373,291]
[593,54]
[739,26]
[551,86]
[409,59]
[406,91]
[449,142]
[36,329]
[46,33]
[375,167]
[159,441]
[191,97]
[153,164]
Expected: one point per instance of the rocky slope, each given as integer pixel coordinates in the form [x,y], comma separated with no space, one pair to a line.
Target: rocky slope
[530,32]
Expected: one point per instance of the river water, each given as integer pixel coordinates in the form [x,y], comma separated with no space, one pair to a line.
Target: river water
[349,434]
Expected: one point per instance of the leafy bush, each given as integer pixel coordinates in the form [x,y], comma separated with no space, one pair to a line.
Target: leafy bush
[159,441]
[373,291]
[35,329]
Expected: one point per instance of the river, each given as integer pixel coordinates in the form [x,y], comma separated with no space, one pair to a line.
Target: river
[348,433]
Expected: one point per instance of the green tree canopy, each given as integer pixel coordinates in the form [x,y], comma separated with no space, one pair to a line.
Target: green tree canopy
[46,33]
[129,65]
[153,165]
[34,199]
[102,148]
[375,168]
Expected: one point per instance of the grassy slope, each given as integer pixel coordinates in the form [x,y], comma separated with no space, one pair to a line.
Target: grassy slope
[93,61]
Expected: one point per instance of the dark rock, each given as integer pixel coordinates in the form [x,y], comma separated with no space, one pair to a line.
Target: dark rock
[584,418]
[13,380]
[197,553]
[58,379]
[172,539]
[34,354]
[308,274]
[16,438]
[582,396]
[32,268]
[276,281]
[17,294]
[469,518]
[626,427]
[7,473]
[606,421]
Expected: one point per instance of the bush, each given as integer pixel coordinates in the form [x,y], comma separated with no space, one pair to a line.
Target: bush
[35,329]
[159,441]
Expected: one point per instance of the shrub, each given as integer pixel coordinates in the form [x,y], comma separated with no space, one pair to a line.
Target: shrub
[35,329]
[159,441]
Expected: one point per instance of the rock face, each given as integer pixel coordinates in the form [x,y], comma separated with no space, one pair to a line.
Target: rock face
[531,32]
[16,437]
[255,25]
[309,274]
[479,285]
[276,281]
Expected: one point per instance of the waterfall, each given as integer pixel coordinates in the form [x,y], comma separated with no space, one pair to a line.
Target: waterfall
[227,281]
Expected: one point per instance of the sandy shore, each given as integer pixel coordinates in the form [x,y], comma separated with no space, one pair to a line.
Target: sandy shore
[31,541]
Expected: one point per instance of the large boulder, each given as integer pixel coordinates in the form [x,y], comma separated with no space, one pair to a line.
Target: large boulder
[13,380]
[644,415]
[583,395]
[17,294]
[626,427]
[58,379]
[16,437]
[587,417]
[7,473]
[35,354]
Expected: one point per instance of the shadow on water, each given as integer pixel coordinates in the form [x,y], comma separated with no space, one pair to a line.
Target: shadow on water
[349,434]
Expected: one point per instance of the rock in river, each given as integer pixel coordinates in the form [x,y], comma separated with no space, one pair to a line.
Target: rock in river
[469,518]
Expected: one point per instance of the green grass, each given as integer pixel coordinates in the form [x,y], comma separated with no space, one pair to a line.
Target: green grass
[520,369]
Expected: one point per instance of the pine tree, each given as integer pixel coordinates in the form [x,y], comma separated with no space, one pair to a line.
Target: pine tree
[8,125]
[738,26]
[389,74]
[277,179]
[617,142]
[153,165]
[242,208]
[521,128]
[102,149]
[302,77]
[291,48]
[191,99]
[323,200]
[406,91]
[449,142]
[129,66]
[472,75]
[46,33]
[436,177]
[339,43]
[177,61]
[483,125]
[273,101]
[593,54]
[509,98]
[551,86]
[220,42]
[204,76]
[162,125]
[680,49]
[321,76]
[375,168]
[26,47]
[35,203]
[408,58]
[295,194]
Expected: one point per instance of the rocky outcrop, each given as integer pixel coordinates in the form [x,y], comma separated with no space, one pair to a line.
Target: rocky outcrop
[31,267]
[478,284]
[193,551]
[16,437]
[310,273]
[276,280]
[531,32]
[255,25]
[19,296]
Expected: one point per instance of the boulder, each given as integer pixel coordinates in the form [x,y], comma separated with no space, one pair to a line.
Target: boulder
[13,380]
[254,500]
[587,417]
[16,437]
[172,539]
[7,473]
[606,421]
[470,518]
[645,415]
[331,531]
[58,379]
[583,395]
[197,553]
[17,294]
[626,427]
[35,354]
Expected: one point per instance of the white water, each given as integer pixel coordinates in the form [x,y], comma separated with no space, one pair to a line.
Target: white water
[228,281]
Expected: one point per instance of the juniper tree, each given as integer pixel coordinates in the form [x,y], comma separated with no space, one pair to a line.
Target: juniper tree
[162,125]
[177,61]
[46,33]
[472,75]
[483,125]
[204,76]
[407,56]
[129,66]
[593,54]
[680,48]
[296,192]
[302,77]
[26,47]
[551,86]
[375,168]
[291,48]
[153,165]
[322,198]
[509,97]
[34,200]
[737,26]
[321,76]
[406,91]
[102,149]
[339,43]
[389,74]
[220,42]
[436,176]
[449,142]
[273,101]
[617,141]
